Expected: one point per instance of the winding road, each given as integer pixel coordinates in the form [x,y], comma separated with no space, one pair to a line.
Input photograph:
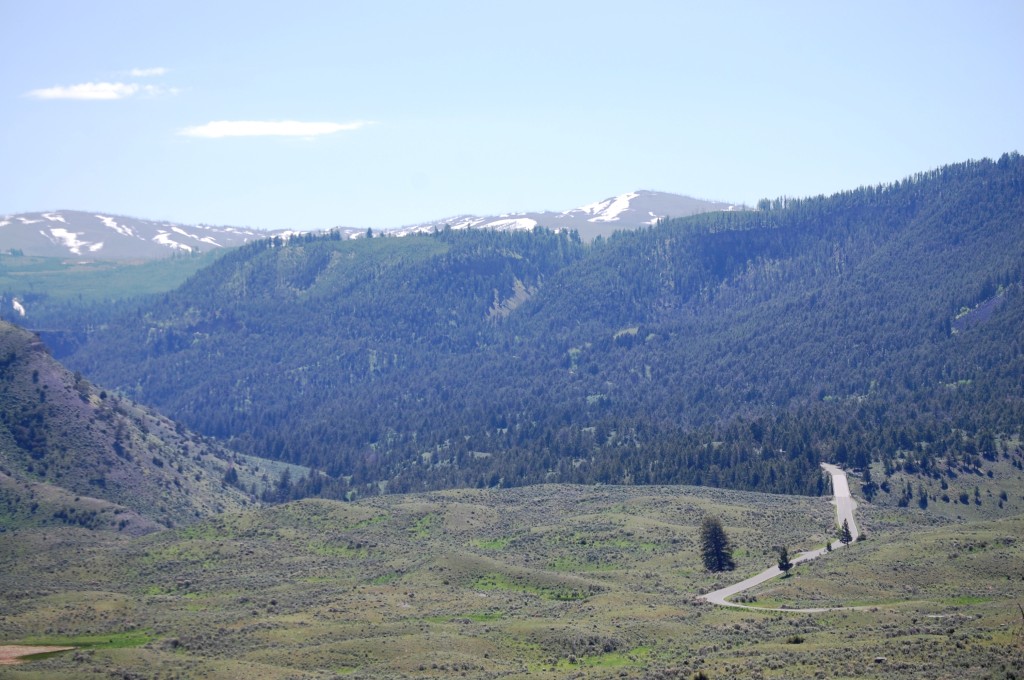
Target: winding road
[844,511]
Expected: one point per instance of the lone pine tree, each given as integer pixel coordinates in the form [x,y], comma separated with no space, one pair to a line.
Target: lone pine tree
[845,537]
[785,564]
[715,549]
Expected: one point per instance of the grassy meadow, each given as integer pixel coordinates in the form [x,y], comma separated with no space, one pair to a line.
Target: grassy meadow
[95,280]
[543,582]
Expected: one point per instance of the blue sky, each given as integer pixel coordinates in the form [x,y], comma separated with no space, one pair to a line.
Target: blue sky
[309,115]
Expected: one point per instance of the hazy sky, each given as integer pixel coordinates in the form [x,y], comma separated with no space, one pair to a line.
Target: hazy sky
[316,114]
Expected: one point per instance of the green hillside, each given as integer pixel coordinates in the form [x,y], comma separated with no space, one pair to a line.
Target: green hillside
[730,349]
[550,581]
[50,280]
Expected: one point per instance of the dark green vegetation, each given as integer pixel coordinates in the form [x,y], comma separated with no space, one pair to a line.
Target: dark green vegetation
[72,454]
[729,349]
[552,581]
[715,549]
[784,562]
[845,537]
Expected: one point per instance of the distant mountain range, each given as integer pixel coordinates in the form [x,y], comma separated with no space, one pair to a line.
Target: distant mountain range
[602,218]
[94,236]
[73,233]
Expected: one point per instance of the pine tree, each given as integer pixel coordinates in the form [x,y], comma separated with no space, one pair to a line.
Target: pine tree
[715,548]
[845,537]
[785,564]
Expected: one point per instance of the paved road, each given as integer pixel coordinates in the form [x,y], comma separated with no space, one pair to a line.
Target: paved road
[844,502]
[844,510]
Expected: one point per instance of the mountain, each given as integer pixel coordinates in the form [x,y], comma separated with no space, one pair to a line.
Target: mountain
[90,236]
[602,218]
[731,349]
[74,454]
[82,235]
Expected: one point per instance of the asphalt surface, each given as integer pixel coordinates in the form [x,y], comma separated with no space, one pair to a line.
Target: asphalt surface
[845,506]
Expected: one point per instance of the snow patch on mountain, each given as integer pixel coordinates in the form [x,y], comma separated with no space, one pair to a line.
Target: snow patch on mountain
[18,307]
[514,224]
[68,239]
[607,210]
[202,239]
[635,209]
[88,234]
[122,229]
[165,239]
[466,223]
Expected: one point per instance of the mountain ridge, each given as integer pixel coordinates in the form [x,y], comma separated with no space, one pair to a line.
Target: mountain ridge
[61,438]
[631,210]
[80,234]
[84,235]
[691,352]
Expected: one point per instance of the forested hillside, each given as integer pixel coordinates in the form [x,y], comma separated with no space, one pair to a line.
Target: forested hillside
[728,349]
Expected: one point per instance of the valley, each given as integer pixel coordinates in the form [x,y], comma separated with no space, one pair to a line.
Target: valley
[490,453]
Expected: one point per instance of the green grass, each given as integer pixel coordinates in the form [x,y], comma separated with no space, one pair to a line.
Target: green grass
[62,279]
[424,526]
[124,640]
[612,660]
[491,543]
[385,578]
[440,593]
[485,616]
[517,585]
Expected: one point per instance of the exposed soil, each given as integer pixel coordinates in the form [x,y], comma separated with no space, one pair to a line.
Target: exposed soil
[12,654]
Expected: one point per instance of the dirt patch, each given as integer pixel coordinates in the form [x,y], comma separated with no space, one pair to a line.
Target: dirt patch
[11,654]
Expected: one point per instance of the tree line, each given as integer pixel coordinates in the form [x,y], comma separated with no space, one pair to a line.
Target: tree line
[726,349]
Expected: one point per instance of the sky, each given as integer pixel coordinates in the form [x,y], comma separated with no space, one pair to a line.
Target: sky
[310,115]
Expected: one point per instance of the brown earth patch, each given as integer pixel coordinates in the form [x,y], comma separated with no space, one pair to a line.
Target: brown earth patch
[12,654]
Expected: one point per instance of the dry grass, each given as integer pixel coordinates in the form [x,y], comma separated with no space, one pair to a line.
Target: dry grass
[555,581]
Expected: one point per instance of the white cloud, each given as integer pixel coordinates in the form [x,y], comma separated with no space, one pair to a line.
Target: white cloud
[101,91]
[87,91]
[263,128]
[148,72]
[157,90]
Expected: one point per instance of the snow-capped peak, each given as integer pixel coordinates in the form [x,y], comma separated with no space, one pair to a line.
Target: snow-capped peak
[607,210]
[80,234]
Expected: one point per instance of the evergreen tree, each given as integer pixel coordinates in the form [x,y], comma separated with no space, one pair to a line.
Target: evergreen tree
[785,564]
[715,548]
[845,537]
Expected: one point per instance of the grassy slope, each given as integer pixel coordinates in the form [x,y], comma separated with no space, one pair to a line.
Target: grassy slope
[59,430]
[89,281]
[550,581]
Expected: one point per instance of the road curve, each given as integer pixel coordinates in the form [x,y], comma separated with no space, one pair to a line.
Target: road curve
[844,510]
